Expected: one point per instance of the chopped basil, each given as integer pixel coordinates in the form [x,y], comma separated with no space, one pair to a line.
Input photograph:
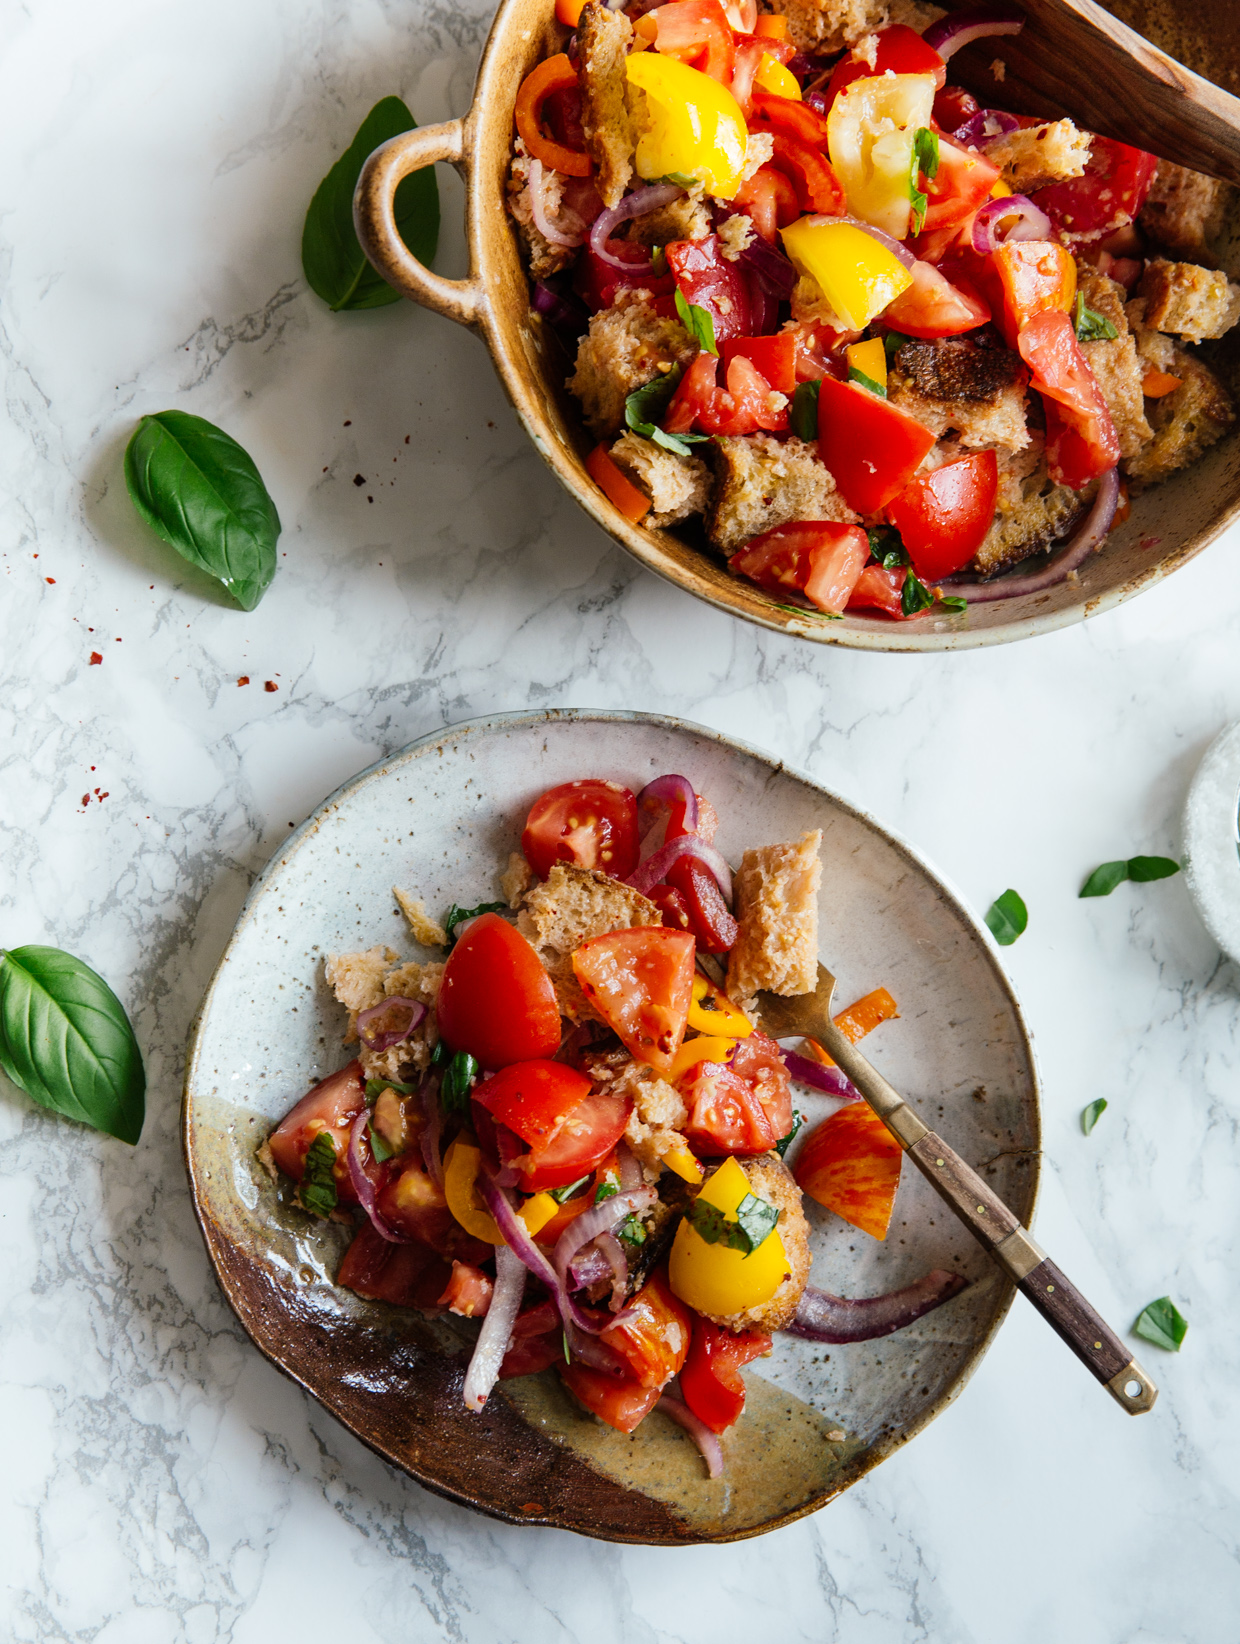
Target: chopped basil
[803,417]
[914,596]
[893,342]
[953,602]
[698,322]
[458,1081]
[442,1054]
[658,261]
[1139,869]
[925,161]
[632,1231]
[755,1221]
[860,378]
[568,1357]
[785,1142]
[1007,918]
[1162,1323]
[606,1190]
[806,611]
[1091,1114]
[318,1182]
[561,1194]
[1089,324]
[380,1146]
[376,1087]
[886,549]
[680,178]
[457,916]
[644,407]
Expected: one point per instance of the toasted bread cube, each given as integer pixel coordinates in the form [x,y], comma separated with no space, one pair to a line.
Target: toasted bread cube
[1185,422]
[826,26]
[542,257]
[762,482]
[426,930]
[1189,301]
[1033,156]
[1183,212]
[627,346]
[604,38]
[676,485]
[1115,361]
[951,383]
[776,906]
[1031,511]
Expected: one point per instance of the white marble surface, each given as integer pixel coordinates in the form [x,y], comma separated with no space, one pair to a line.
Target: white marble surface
[162,1482]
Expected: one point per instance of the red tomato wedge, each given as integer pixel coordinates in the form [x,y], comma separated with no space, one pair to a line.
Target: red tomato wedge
[1081,442]
[412,1203]
[933,307]
[1110,194]
[757,1061]
[943,517]
[706,277]
[332,1106]
[592,824]
[817,187]
[640,982]
[872,449]
[898,48]
[711,1380]
[1031,276]
[536,1343]
[469,1291]
[533,1098]
[795,119]
[654,1337]
[581,1143]
[770,202]
[725,1114]
[698,33]
[851,1164]
[496,1001]
[818,558]
[775,357]
[953,107]
[962,183]
[409,1275]
[707,916]
[879,589]
[623,1404]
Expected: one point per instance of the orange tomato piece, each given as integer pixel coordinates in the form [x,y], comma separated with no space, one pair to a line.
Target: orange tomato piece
[1157,383]
[631,502]
[851,1164]
[641,983]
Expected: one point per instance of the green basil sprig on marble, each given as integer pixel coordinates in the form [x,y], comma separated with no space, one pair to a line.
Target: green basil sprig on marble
[1139,869]
[200,491]
[332,258]
[66,1041]
[1162,1323]
[1007,918]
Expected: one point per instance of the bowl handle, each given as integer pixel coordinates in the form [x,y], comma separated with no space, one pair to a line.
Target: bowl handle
[374,218]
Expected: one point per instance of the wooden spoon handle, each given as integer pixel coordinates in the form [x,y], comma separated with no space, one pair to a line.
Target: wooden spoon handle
[993,1224]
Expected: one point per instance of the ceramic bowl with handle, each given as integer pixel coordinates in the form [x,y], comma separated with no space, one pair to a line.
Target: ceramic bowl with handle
[1168,525]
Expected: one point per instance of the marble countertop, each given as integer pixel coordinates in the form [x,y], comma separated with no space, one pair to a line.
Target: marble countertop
[163,1482]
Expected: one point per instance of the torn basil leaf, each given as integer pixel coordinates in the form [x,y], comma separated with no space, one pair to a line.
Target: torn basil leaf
[1091,1114]
[680,178]
[606,1190]
[1091,326]
[808,611]
[380,1147]
[317,1189]
[803,415]
[925,161]
[1162,1323]
[859,377]
[698,322]
[893,342]
[632,1231]
[561,1194]
[376,1087]
[755,1221]
[914,596]
[785,1142]
[1139,869]
[1007,918]
[458,1080]
[457,916]
[886,549]
[953,602]
[645,406]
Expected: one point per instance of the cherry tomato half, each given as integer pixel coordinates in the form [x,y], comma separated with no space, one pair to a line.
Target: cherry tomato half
[496,1000]
[582,1142]
[332,1106]
[943,517]
[591,824]
[533,1098]
[641,983]
[711,1380]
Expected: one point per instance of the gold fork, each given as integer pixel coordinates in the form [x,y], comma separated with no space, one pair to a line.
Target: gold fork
[978,1207]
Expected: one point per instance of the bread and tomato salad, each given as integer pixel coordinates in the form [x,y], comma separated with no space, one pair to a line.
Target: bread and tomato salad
[881,343]
[572,1128]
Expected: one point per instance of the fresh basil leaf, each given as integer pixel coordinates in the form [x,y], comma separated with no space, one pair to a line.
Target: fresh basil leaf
[441,1055]
[568,1358]
[1007,918]
[1162,1323]
[785,1142]
[457,916]
[893,342]
[698,322]
[562,1194]
[200,491]
[808,611]
[925,159]
[66,1041]
[803,415]
[953,602]
[886,549]
[709,1223]
[376,1087]
[1102,881]
[632,1232]
[380,1146]
[755,1220]
[681,178]
[1143,869]
[1091,1114]
[644,407]
[335,265]
[459,1078]
[658,260]
[854,375]
[914,596]
[317,1188]
[1091,326]
[606,1190]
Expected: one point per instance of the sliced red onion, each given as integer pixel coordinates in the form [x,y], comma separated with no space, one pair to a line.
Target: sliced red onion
[653,870]
[627,1168]
[662,794]
[1090,537]
[1031,223]
[496,1330]
[600,1218]
[587,1267]
[517,1237]
[706,1441]
[636,204]
[817,101]
[963,27]
[542,222]
[432,1129]
[986,124]
[770,265]
[818,1075]
[362,1184]
[387,1037]
[608,1246]
[834,1320]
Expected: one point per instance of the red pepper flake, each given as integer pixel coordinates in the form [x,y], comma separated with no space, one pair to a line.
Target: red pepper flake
[406,439]
[86,799]
[49,579]
[270,685]
[244,679]
[96,658]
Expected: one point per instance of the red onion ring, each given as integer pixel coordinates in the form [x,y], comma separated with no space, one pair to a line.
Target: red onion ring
[600,1218]
[963,27]
[627,1167]
[653,870]
[636,204]
[493,1339]
[835,1320]
[770,266]
[588,1267]
[1031,223]
[663,793]
[608,1246]
[517,1238]
[384,1040]
[1090,537]
[818,1076]
[538,207]
[984,126]
[362,1184]
[432,1129]
[706,1441]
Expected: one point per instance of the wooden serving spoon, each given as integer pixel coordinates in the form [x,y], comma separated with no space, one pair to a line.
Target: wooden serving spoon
[985,1215]
[1074,59]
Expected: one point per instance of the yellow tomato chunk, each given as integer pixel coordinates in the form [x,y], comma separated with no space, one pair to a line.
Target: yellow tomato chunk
[713,1278]
[713,1012]
[856,274]
[690,125]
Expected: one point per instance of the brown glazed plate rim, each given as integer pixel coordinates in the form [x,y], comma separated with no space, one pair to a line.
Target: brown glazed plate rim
[232,1267]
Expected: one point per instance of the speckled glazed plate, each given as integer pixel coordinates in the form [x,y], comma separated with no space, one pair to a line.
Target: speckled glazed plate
[440,818]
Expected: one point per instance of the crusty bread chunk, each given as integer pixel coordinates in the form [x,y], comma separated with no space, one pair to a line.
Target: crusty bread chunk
[776,906]
[603,40]
[762,482]
[687,218]
[1115,362]
[770,1179]
[952,383]
[658,1111]
[516,879]
[1186,422]
[1183,211]
[825,26]
[426,930]
[357,978]
[362,980]
[676,485]
[1187,300]
[627,346]
[1033,156]
[568,908]
[1031,511]
[542,257]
